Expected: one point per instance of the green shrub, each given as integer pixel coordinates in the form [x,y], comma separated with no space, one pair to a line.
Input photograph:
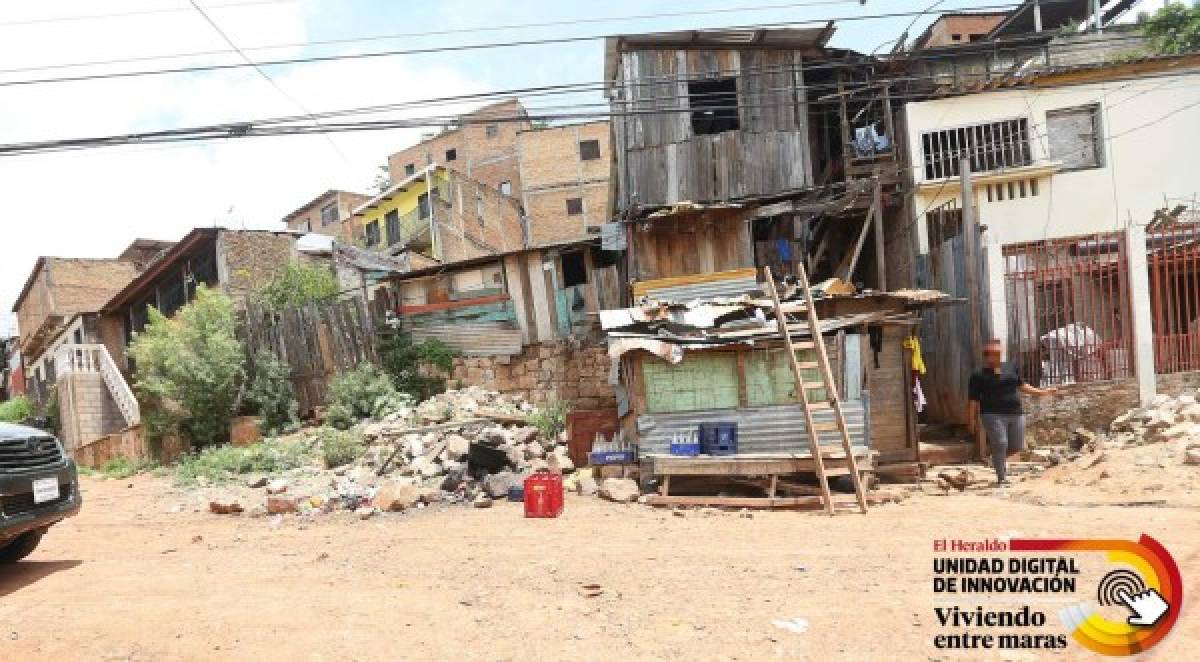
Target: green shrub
[297,285]
[120,467]
[402,360]
[222,463]
[365,392]
[338,447]
[16,410]
[190,369]
[271,393]
[551,419]
[1174,29]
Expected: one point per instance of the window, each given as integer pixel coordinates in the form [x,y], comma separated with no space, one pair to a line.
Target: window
[574,206]
[423,208]
[306,226]
[410,169]
[392,222]
[506,188]
[956,37]
[373,233]
[78,336]
[491,130]
[714,105]
[451,154]
[1022,188]
[329,214]
[574,269]
[589,150]
[989,146]
[1074,135]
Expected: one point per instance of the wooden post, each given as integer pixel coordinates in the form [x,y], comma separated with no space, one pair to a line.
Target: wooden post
[889,124]
[880,263]
[970,232]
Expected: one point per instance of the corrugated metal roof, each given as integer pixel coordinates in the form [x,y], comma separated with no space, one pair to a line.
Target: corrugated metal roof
[778,429]
[731,287]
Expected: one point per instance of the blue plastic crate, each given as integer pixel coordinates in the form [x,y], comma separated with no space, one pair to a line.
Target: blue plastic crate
[718,438]
[611,457]
[685,449]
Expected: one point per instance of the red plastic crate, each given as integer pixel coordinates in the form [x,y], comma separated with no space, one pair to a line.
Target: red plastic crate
[543,495]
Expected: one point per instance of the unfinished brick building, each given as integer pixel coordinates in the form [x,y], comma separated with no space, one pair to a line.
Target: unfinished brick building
[564,181]
[483,147]
[327,214]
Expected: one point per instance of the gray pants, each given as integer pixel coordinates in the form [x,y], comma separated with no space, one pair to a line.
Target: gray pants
[1006,435]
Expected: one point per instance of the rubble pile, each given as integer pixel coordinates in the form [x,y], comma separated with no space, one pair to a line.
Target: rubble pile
[1166,419]
[464,446]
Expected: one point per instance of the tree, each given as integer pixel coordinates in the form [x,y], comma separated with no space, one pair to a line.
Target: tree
[383,179]
[190,369]
[297,285]
[1174,29]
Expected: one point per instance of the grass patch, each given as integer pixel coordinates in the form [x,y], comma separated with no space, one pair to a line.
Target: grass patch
[120,467]
[223,463]
[338,447]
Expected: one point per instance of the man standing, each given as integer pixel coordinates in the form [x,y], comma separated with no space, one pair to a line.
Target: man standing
[994,402]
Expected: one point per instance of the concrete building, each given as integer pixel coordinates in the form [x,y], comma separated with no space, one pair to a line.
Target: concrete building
[565,180]
[326,214]
[958,28]
[483,147]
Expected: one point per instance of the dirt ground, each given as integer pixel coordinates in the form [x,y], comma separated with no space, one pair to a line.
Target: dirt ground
[141,575]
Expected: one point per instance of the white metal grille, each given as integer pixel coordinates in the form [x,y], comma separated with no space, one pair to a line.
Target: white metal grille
[990,146]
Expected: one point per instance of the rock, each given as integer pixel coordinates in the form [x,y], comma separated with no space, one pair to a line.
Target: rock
[679,513]
[1190,412]
[430,470]
[538,465]
[278,505]
[231,508]
[430,495]
[621,490]
[482,501]
[496,485]
[1192,456]
[452,480]
[457,447]
[1080,437]
[534,450]
[395,496]
[494,436]
[524,435]
[586,484]
[364,512]
[559,461]
[277,486]
[256,481]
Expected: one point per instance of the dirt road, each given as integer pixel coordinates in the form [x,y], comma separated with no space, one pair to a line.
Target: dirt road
[130,579]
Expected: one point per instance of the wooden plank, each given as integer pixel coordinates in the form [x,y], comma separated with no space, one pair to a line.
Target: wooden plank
[755,502]
[540,298]
[880,264]
[845,269]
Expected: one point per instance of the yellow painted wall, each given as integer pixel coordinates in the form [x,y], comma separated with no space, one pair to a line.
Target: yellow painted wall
[402,201]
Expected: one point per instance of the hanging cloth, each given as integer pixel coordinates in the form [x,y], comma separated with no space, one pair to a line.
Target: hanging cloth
[919,401]
[913,344]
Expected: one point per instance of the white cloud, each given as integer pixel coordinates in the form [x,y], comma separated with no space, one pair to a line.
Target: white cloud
[93,203]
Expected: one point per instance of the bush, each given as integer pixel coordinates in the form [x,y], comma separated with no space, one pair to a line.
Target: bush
[365,392]
[271,393]
[338,447]
[550,420]
[222,463]
[16,410]
[402,360]
[1174,29]
[297,285]
[120,467]
[189,369]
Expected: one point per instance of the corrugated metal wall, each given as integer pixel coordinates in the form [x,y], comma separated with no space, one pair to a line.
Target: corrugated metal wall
[473,339]
[718,288]
[778,429]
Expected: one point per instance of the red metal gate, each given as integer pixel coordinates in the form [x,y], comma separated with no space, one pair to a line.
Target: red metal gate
[1173,258]
[1068,309]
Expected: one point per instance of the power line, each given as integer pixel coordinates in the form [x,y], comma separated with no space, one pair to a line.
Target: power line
[138,12]
[441,49]
[430,33]
[270,80]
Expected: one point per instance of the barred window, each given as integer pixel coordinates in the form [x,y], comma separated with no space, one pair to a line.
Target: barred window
[989,146]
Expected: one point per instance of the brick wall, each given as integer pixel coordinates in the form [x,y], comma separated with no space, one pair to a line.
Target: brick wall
[310,216]
[66,286]
[1092,405]
[248,259]
[542,373]
[553,171]
[476,221]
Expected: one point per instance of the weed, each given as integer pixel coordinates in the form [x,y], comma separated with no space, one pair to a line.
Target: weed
[338,447]
[222,463]
[551,419]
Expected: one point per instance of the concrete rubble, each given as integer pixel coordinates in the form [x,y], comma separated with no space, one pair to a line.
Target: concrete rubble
[467,447]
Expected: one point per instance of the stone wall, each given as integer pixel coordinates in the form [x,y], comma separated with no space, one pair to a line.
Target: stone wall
[249,259]
[542,373]
[1093,405]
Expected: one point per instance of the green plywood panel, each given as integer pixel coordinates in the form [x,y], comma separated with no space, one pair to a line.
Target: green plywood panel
[769,379]
[700,381]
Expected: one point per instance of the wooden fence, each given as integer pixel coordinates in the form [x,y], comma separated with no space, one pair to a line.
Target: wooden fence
[318,341]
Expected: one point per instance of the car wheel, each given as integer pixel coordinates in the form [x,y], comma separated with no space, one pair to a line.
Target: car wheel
[20,547]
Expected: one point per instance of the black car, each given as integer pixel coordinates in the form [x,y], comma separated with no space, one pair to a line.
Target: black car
[39,487]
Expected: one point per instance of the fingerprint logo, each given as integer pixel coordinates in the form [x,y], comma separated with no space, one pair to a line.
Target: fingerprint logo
[1119,583]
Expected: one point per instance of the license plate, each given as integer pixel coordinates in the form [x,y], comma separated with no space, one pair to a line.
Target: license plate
[45,489]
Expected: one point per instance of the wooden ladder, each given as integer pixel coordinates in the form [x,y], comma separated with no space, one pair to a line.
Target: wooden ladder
[831,391]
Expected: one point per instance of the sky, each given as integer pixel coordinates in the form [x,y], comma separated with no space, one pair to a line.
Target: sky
[94,203]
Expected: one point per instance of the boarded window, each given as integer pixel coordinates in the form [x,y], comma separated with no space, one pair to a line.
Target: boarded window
[589,150]
[1074,135]
[373,233]
[329,213]
[574,206]
[700,381]
[989,146]
[392,220]
[714,105]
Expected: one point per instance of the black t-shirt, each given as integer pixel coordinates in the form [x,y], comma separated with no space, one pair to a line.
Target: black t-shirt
[996,392]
